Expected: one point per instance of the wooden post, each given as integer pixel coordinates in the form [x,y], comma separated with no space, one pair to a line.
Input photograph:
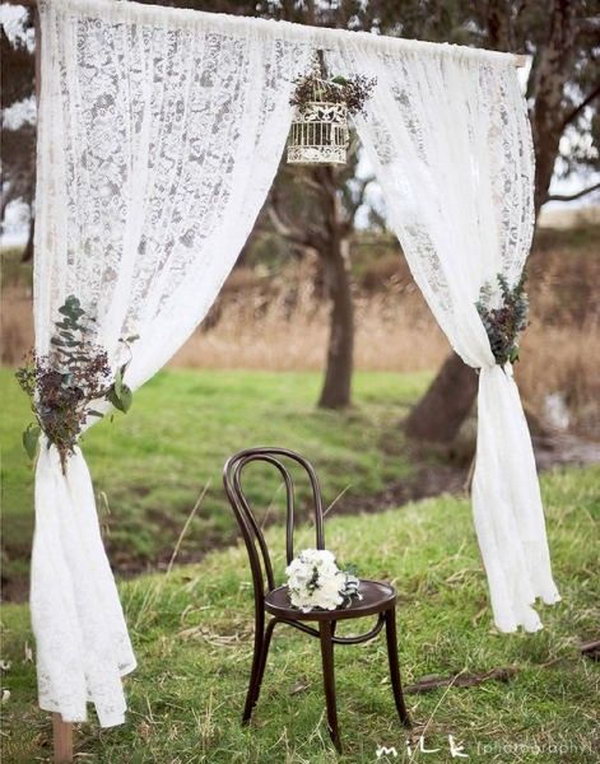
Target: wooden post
[62,736]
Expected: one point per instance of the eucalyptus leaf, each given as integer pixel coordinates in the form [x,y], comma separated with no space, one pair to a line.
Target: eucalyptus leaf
[112,397]
[126,398]
[30,439]
[118,383]
[120,398]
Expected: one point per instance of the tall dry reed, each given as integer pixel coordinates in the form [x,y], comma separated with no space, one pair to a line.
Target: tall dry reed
[391,335]
[278,323]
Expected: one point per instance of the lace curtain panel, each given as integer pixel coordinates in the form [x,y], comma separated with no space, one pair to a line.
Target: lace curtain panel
[157,146]
[451,144]
[160,131]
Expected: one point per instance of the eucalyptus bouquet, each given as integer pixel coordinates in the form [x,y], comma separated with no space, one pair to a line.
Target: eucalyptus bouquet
[315,581]
[67,382]
[504,319]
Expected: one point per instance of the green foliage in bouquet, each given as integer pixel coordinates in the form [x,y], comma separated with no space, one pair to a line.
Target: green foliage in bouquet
[505,323]
[64,383]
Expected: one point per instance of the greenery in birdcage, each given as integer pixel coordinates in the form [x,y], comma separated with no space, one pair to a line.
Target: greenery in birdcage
[353,92]
[505,323]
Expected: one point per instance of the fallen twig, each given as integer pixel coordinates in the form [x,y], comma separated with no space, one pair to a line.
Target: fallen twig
[591,650]
[429,683]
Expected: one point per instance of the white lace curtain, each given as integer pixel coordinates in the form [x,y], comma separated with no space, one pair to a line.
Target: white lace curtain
[451,144]
[160,131]
[157,146]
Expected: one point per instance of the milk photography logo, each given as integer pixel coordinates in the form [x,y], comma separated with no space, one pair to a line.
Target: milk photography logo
[455,748]
[516,749]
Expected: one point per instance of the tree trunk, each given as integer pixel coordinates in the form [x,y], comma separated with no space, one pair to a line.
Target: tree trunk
[437,417]
[27,255]
[549,79]
[336,392]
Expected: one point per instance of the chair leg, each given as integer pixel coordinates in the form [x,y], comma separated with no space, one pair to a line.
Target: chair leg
[326,633]
[263,658]
[252,695]
[392,646]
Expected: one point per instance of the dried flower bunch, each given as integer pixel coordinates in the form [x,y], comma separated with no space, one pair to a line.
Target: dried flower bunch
[315,581]
[64,383]
[353,92]
[505,323]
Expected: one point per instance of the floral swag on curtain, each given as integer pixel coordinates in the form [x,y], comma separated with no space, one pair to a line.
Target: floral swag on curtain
[160,131]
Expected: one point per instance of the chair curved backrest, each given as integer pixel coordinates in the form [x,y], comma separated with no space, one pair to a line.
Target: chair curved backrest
[251,532]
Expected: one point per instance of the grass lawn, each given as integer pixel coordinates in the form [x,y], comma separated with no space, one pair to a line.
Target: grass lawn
[150,466]
[192,632]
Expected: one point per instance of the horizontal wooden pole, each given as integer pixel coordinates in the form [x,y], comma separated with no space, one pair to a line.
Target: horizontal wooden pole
[520,60]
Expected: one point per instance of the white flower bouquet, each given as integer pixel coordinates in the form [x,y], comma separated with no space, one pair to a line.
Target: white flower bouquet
[315,581]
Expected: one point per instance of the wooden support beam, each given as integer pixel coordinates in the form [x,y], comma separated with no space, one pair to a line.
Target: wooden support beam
[62,739]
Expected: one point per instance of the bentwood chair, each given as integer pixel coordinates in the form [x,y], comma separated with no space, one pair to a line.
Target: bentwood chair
[377,598]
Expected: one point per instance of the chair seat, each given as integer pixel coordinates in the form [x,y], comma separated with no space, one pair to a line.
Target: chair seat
[376,597]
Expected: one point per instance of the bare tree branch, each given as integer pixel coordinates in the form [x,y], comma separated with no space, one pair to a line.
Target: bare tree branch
[588,25]
[503,674]
[306,237]
[309,181]
[291,234]
[359,199]
[571,197]
[324,176]
[578,109]
[353,199]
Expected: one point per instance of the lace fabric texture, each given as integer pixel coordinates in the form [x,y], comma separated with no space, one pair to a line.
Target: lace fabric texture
[160,131]
[451,144]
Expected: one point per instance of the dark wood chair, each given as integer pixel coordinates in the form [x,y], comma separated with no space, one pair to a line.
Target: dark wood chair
[377,598]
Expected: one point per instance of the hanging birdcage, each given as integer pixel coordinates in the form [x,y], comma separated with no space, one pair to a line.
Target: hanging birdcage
[319,134]
[319,131]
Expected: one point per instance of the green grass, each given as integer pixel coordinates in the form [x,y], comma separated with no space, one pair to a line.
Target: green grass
[153,463]
[192,634]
